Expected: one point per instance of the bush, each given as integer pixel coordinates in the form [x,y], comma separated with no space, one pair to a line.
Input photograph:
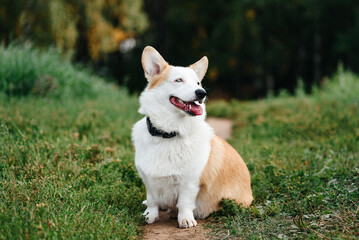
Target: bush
[29,71]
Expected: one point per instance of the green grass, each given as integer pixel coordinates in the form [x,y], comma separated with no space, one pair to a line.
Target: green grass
[66,161]
[66,158]
[303,155]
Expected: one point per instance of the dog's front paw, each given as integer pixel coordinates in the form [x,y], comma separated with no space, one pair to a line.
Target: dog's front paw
[187,223]
[186,220]
[151,215]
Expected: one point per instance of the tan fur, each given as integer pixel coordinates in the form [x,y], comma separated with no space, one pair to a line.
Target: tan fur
[225,176]
[160,78]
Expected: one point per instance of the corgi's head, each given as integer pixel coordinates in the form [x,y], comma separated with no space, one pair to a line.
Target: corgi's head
[172,89]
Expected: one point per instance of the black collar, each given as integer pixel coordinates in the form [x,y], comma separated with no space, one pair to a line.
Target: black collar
[158,133]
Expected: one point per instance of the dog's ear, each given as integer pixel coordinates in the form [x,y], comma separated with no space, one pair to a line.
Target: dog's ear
[200,67]
[152,62]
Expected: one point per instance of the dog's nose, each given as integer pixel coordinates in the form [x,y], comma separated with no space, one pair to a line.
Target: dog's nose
[200,93]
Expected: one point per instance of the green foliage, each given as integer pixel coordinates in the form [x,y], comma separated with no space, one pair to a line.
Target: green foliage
[228,208]
[90,28]
[342,87]
[26,70]
[257,47]
[302,153]
[66,168]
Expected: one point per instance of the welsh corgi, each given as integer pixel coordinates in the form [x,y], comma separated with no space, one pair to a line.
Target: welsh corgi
[185,167]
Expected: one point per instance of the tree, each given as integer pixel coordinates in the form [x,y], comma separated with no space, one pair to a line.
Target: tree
[90,28]
[256,47]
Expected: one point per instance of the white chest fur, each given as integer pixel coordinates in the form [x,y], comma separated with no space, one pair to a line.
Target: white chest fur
[167,165]
[177,156]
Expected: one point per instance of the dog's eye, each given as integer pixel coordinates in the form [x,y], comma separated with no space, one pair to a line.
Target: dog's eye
[179,80]
[197,83]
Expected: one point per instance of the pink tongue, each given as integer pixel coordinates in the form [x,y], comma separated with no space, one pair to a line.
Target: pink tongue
[196,109]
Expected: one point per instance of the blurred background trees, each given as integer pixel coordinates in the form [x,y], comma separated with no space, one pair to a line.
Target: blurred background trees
[89,28]
[255,47]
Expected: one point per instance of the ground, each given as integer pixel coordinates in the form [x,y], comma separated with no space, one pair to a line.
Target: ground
[167,228]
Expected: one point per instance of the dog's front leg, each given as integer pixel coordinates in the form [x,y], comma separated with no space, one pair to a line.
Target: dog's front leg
[186,204]
[151,212]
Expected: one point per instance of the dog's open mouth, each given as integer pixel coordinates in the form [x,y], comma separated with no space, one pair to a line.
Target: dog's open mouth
[191,108]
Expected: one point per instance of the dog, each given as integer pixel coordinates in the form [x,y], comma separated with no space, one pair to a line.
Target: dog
[185,167]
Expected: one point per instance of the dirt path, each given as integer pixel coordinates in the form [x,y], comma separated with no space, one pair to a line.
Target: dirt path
[166,228]
[222,126]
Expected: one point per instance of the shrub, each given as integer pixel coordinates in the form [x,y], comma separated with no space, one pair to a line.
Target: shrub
[26,70]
